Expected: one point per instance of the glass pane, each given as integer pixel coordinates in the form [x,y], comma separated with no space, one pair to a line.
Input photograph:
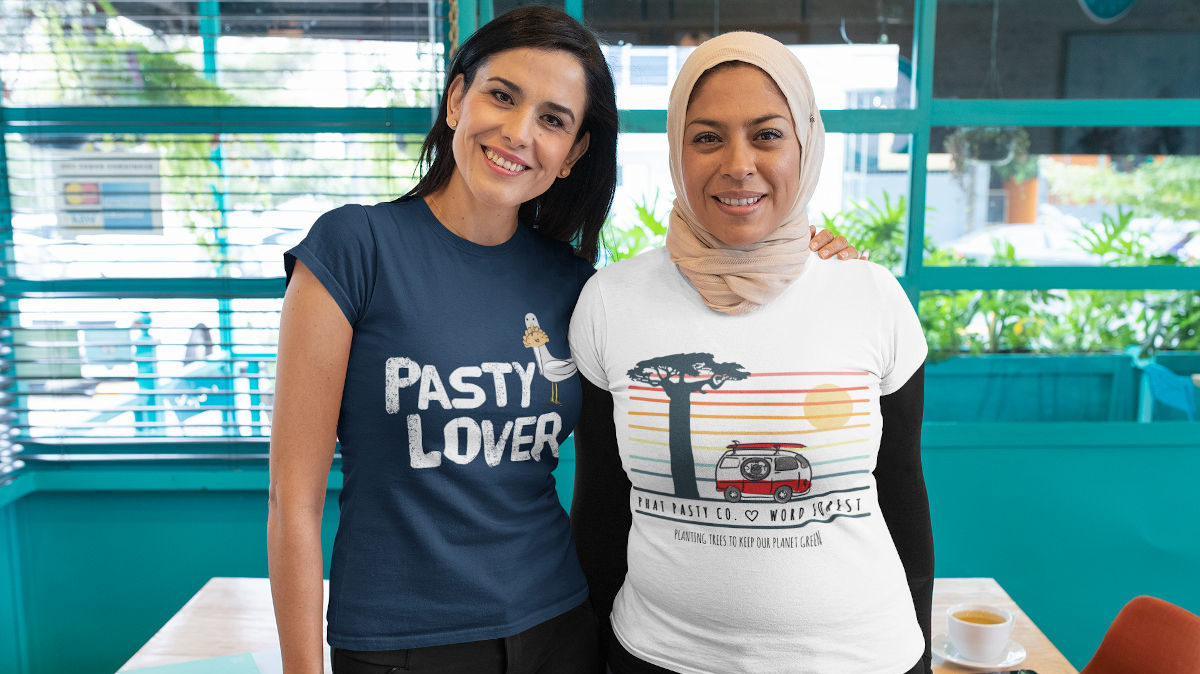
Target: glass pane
[858,56]
[1063,196]
[1085,49]
[1060,321]
[862,194]
[501,6]
[187,205]
[109,367]
[301,53]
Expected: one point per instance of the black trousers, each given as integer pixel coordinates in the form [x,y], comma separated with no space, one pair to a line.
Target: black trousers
[565,644]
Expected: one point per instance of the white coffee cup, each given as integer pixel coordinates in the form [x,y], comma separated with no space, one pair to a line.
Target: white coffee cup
[979,632]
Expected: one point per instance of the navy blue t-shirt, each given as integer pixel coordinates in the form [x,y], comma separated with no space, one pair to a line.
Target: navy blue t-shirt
[459,390]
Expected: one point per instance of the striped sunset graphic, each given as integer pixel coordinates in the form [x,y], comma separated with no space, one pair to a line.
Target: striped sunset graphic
[828,412]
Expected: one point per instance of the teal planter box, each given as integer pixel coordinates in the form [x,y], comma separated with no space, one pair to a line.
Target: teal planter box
[1182,362]
[1019,388]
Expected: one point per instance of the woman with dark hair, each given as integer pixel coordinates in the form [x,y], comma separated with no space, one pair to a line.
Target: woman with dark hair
[429,336]
[749,494]
[574,207]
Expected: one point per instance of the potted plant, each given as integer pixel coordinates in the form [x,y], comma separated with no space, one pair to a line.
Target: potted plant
[1019,177]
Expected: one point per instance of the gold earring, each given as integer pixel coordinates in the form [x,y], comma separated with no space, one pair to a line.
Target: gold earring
[452,123]
[564,173]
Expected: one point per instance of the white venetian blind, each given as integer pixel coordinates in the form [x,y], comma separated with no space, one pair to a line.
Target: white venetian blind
[158,158]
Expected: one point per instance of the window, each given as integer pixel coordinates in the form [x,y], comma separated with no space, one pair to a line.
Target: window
[786,463]
[159,158]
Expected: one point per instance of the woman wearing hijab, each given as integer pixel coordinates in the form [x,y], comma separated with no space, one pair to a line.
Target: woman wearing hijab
[752,414]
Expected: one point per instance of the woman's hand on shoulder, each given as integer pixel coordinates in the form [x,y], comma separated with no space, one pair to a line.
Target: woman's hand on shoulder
[826,245]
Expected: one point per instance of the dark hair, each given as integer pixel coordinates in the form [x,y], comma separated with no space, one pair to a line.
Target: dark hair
[574,208]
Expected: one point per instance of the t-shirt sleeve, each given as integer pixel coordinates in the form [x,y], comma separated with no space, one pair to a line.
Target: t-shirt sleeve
[340,251]
[904,347]
[588,333]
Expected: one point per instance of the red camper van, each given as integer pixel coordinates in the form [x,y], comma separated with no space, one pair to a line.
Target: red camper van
[769,469]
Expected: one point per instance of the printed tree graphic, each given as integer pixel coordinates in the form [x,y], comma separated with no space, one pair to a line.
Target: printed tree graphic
[680,375]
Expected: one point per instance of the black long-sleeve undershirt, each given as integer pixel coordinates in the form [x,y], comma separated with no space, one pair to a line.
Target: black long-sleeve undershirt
[903,499]
[600,516]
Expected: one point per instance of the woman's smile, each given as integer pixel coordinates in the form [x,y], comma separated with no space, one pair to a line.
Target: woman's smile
[739,203]
[504,164]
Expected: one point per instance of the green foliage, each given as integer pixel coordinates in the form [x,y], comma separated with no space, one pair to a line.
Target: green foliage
[1020,168]
[166,80]
[1115,319]
[621,241]
[997,321]
[1014,319]
[1168,187]
[1115,243]
[874,226]
[96,67]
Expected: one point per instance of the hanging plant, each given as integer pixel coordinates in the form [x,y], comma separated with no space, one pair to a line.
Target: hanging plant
[995,145]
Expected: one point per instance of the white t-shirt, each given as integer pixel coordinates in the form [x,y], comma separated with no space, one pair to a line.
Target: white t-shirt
[772,556]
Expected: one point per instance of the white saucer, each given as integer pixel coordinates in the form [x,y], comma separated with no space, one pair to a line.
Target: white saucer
[1014,654]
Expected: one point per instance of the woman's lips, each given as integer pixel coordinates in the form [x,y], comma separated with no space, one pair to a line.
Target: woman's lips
[739,204]
[503,163]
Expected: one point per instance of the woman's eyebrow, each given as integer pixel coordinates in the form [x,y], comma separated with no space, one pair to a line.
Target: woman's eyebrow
[511,85]
[561,109]
[754,122]
[764,119]
[556,107]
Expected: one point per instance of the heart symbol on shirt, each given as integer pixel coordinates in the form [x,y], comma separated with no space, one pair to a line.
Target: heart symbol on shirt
[751,515]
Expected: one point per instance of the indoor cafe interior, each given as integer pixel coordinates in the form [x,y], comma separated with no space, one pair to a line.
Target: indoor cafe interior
[1027,170]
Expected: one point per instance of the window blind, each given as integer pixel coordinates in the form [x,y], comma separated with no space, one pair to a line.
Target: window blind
[158,159]
[176,52]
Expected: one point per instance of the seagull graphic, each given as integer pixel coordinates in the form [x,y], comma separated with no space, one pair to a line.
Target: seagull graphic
[553,369]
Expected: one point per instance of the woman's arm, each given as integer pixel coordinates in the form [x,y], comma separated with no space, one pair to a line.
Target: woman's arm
[902,496]
[600,516]
[314,348]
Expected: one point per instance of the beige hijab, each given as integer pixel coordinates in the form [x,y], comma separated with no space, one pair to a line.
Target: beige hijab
[739,279]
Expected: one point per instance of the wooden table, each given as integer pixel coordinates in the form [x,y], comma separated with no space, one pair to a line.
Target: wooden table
[227,616]
[1041,655]
[234,615]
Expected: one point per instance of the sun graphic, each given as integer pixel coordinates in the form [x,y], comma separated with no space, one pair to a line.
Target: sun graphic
[828,407]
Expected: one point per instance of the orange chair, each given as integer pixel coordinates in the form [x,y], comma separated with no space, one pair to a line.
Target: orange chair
[1149,636]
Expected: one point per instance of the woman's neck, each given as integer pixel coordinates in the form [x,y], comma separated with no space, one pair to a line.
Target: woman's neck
[457,209]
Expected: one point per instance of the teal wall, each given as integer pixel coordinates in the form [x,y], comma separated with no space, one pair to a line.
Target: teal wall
[1072,519]
[1072,527]
[101,571]
[12,643]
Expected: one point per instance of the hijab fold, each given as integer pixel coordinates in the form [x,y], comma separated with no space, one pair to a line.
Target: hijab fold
[739,279]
